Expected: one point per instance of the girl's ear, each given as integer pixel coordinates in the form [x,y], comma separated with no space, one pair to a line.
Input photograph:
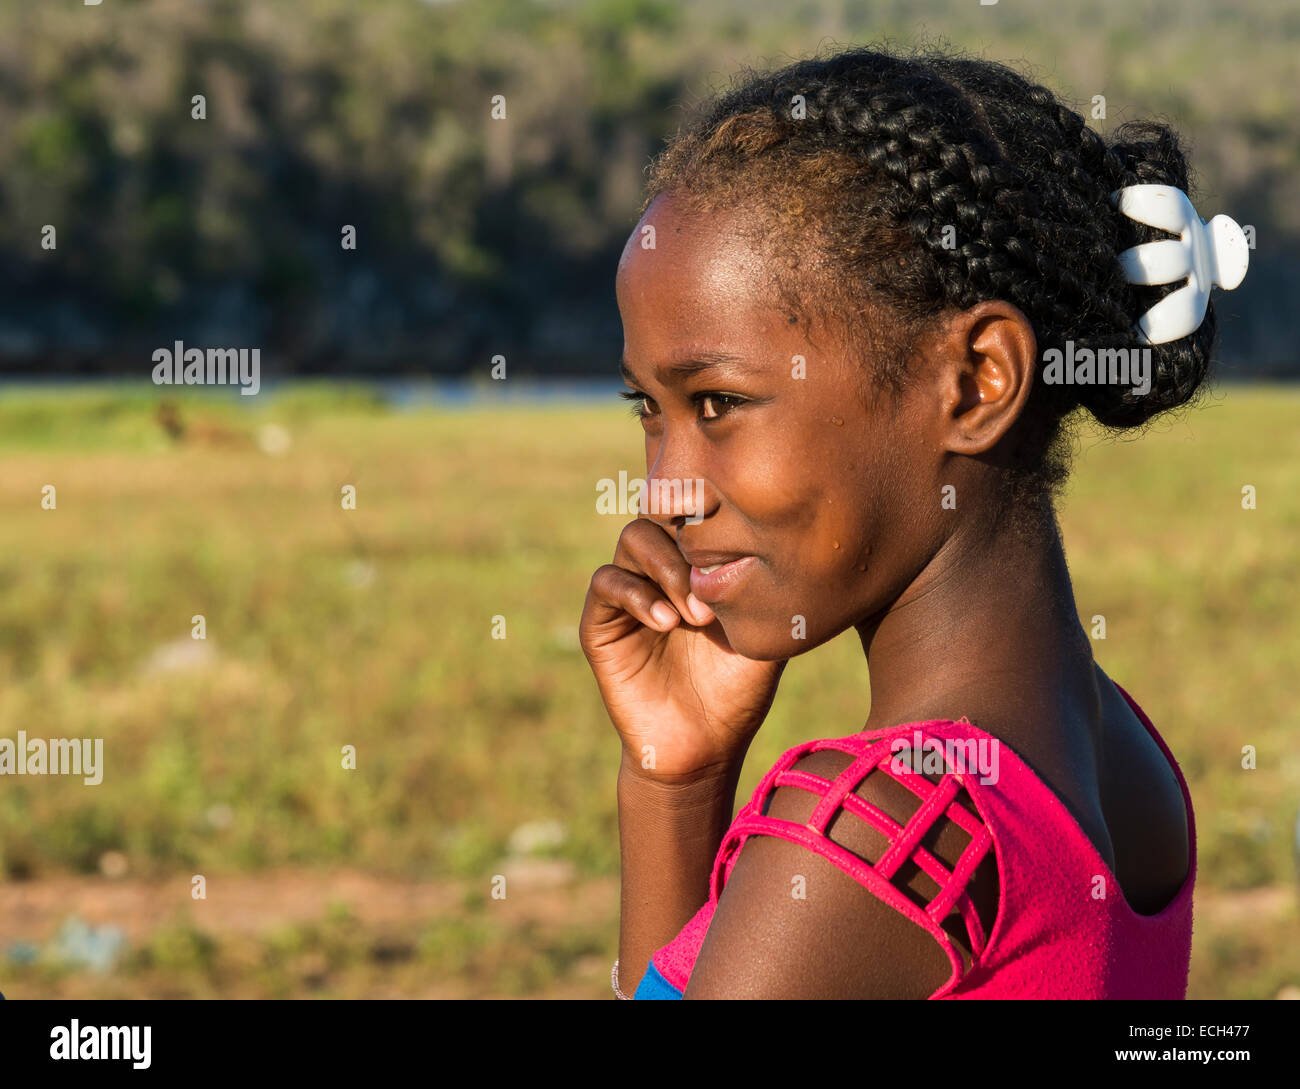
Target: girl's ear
[985,363]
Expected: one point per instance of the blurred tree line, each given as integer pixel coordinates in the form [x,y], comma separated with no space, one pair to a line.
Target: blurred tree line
[474,236]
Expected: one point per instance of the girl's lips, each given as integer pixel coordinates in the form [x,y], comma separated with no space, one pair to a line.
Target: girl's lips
[718,583]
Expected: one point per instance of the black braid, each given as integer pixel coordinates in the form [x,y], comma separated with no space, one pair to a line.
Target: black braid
[900,148]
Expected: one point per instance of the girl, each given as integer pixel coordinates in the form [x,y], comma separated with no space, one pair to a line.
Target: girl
[838,307]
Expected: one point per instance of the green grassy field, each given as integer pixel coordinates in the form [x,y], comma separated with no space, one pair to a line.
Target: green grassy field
[373,628]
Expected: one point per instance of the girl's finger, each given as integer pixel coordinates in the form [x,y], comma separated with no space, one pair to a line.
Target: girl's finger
[646,548]
[616,591]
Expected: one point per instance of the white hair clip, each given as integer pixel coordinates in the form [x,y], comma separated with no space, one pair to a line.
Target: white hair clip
[1204,253]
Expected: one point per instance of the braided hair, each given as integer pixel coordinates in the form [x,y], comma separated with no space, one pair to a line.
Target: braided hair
[914,184]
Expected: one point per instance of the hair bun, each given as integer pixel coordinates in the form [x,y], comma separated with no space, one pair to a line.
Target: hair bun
[1148,152]
[1171,373]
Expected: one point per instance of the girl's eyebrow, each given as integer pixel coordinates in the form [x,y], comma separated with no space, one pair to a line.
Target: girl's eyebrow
[697,363]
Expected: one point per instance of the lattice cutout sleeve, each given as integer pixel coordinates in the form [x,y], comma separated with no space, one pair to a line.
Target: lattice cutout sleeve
[937,802]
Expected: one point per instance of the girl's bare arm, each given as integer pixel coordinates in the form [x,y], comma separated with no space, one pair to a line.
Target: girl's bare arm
[669,834]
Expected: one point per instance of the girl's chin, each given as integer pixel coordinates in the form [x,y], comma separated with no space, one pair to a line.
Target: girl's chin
[761,643]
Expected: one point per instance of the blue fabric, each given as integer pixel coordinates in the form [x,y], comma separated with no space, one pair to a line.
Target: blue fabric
[654,986]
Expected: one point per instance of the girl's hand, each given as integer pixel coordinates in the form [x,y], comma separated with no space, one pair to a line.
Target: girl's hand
[667,675]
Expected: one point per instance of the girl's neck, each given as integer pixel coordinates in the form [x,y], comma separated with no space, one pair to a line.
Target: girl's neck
[989,630]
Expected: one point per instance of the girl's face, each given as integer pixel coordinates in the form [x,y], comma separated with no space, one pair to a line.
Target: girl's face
[837,505]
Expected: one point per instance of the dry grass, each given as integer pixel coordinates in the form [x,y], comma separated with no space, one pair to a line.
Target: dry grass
[372,628]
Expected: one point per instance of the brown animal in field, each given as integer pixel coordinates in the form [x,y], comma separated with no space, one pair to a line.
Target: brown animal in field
[200,431]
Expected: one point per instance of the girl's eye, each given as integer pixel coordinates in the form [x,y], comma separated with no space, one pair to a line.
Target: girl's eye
[717,405]
[642,406]
[713,406]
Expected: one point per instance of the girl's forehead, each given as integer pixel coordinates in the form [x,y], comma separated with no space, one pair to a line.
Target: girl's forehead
[709,262]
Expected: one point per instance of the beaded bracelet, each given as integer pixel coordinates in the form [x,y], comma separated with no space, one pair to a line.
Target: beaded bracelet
[613,979]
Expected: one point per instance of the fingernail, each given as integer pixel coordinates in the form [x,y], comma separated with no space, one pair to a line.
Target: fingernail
[702,613]
[664,614]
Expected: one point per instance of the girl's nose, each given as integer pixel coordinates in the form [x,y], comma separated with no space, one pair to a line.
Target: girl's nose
[673,501]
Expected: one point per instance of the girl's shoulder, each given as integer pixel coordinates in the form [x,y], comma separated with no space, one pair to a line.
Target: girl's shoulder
[945,825]
[897,811]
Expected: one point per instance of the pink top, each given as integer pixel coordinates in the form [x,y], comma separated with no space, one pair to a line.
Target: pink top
[1058,933]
